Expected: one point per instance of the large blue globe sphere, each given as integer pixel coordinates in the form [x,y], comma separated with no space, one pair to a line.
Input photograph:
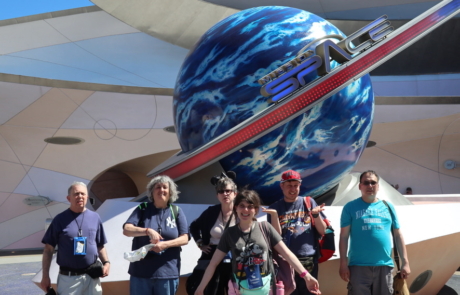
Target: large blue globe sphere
[217,88]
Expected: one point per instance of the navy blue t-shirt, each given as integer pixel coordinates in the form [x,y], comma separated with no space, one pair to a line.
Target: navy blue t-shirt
[294,217]
[166,265]
[64,228]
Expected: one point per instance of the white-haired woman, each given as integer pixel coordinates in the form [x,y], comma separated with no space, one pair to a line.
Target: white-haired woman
[163,224]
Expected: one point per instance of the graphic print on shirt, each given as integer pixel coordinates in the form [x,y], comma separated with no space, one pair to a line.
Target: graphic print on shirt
[251,256]
[295,222]
[170,222]
[373,219]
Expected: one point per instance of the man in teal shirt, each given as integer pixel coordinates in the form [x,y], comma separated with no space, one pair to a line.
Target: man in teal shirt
[367,222]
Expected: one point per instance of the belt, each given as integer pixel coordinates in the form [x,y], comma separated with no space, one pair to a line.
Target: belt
[71,273]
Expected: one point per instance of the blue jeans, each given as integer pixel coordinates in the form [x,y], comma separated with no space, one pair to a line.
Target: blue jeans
[152,286]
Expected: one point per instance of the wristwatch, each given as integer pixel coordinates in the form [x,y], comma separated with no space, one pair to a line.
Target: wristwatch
[315,215]
[199,243]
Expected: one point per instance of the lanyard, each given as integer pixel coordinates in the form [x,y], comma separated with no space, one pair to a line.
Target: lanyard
[245,249]
[80,233]
[249,236]
[160,217]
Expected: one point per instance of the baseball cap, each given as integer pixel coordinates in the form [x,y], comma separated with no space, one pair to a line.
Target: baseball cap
[290,175]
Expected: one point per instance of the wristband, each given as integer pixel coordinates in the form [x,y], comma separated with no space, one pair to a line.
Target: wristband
[315,215]
[105,262]
[302,275]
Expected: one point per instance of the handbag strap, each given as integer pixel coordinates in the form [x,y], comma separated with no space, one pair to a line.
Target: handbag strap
[229,220]
[396,255]
[263,226]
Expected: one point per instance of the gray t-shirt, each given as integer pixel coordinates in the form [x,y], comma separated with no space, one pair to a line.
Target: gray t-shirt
[248,249]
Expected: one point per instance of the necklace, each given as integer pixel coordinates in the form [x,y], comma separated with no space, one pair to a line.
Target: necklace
[224,222]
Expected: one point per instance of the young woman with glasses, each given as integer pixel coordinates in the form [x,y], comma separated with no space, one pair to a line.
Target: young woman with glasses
[249,251]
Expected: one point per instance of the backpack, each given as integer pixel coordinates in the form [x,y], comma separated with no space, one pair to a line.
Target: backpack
[326,242]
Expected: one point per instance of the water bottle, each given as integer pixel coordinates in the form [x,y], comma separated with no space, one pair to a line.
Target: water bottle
[279,288]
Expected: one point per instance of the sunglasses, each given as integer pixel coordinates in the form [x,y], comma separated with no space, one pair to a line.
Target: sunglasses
[370,182]
[225,191]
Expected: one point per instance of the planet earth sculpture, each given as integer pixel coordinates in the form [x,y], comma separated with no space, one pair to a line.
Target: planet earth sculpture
[217,88]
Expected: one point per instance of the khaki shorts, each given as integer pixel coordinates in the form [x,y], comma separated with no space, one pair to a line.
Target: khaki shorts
[78,285]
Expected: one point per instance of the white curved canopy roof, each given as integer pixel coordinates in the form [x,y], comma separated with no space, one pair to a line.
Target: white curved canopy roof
[106,76]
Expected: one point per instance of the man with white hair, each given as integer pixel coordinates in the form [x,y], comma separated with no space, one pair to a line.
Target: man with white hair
[80,236]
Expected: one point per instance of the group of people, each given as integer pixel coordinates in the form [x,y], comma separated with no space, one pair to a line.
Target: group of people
[408,189]
[235,247]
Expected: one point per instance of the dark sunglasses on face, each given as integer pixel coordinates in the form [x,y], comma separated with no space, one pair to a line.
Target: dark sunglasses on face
[227,191]
[370,182]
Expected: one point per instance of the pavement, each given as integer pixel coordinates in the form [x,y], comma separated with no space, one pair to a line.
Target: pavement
[17,271]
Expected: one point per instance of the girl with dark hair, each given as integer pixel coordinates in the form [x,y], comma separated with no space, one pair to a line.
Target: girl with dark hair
[207,230]
[251,268]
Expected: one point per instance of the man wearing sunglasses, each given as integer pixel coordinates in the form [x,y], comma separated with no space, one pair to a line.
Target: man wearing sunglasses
[367,222]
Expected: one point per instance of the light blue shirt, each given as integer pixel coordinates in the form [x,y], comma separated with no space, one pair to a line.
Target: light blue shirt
[370,232]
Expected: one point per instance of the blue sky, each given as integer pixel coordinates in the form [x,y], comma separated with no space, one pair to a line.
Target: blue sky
[17,8]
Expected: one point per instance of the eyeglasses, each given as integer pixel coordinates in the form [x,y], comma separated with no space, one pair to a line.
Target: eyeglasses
[249,207]
[370,182]
[226,191]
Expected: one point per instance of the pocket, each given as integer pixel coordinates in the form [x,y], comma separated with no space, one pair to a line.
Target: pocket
[92,236]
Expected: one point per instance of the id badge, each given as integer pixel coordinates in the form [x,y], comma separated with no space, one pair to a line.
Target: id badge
[79,246]
[253,276]
[228,257]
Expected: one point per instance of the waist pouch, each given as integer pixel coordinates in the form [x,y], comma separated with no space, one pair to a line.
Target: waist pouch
[244,287]
[95,270]
[307,262]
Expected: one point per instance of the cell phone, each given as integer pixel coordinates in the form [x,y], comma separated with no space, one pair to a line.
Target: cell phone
[51,291]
